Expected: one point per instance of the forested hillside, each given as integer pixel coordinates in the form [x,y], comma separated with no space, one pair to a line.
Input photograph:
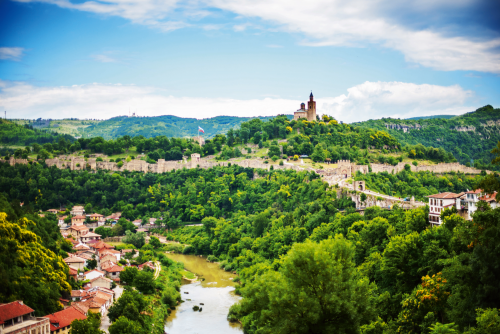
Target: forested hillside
[25,135]
[469,137]
[170,126]
[31,253]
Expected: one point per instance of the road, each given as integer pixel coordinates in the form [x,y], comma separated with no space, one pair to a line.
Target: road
[105,323]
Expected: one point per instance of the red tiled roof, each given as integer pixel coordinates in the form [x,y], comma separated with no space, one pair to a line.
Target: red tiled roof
[115,268]
[477,191]
[79,227]
[446,195]
[14,309]
[80,307]
[102,277]
[64,318]
[489,197]
[74,259]
[79,217]
[102,244]
[72,272]
[96,215]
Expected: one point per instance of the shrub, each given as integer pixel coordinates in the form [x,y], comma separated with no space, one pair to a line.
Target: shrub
[212,258]
[281,163]
[188,250]
[98,159]
[415,163]
[196,308]
[170,296]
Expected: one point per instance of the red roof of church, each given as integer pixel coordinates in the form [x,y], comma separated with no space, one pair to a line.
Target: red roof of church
[64,318]
[12,310]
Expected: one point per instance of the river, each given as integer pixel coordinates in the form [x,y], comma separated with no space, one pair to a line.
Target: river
[216,292]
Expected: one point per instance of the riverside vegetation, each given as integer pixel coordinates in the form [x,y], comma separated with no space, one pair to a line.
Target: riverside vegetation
[292,239]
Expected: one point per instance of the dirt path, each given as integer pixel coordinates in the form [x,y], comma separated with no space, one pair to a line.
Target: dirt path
[157,269]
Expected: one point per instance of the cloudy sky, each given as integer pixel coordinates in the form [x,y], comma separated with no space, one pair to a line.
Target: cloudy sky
[202,58]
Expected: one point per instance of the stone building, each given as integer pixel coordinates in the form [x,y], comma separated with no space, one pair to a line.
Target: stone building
[16,317]
[309,113]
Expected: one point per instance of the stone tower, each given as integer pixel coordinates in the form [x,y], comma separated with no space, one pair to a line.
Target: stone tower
[311,108]
[309,113]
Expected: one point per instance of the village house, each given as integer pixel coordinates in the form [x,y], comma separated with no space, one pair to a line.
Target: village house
[439,202]
[60,322]
[61,221]
[54,211]
[77,231]
[148,264]
[76,262]
[95,217]
[108,257]
[112,270]
[490,199]
[100,245]
[16,317]
[73,273]
[94,273]
[77,210]
[90,236]
[78,220]
[115,253]
[102,282]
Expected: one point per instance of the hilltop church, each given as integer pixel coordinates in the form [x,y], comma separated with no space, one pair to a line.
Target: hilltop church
[309,113]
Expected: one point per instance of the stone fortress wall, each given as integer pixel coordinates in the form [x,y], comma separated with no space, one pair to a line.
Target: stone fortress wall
[345,168]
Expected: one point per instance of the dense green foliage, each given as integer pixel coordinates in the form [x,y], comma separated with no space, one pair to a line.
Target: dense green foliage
[419,184]
[30,250]
[443,133]
[182,195]
[14,134]
[87,326]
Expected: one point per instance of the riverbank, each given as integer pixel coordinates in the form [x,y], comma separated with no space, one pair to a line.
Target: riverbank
[213,293]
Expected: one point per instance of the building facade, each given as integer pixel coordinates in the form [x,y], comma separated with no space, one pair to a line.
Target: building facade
[439,202]
[309,113]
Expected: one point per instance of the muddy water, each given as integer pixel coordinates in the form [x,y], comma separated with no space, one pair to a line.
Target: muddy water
[216,292]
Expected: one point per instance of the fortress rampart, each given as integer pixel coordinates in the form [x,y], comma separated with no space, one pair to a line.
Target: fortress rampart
[344,169]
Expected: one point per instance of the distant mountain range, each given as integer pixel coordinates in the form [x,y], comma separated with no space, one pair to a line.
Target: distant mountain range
[431,117]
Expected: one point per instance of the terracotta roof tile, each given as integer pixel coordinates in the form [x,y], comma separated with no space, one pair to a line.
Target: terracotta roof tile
[14,309]
[489,197]
[64,318]
[74,259]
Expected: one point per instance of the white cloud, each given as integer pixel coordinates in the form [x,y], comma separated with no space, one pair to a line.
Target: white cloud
[362,102]
[331,22]
[103,58]
[13,53]
[372,100]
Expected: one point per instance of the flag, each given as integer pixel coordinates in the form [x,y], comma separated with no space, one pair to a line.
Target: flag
[200,129]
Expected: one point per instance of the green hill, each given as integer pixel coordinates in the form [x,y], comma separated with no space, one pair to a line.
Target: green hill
[12,134]
[470,137]
[170,126]
[431,117]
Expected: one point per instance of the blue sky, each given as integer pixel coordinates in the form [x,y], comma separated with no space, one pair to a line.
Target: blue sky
[362,60]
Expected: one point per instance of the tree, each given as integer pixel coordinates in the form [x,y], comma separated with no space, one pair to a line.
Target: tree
[87,326]
[155,242]
[88,208]
[144,282]
[128,275]
[136,239]
[130,305]
[92,264]
[303,296]
[126,326]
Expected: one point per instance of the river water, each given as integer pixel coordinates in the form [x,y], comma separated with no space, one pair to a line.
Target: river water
[216,292]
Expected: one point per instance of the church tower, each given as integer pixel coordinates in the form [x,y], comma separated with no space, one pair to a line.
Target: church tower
[311,108]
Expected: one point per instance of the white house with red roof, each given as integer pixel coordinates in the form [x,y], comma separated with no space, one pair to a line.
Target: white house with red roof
[94,274]
[16,317]
[439,202]
[490,199]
